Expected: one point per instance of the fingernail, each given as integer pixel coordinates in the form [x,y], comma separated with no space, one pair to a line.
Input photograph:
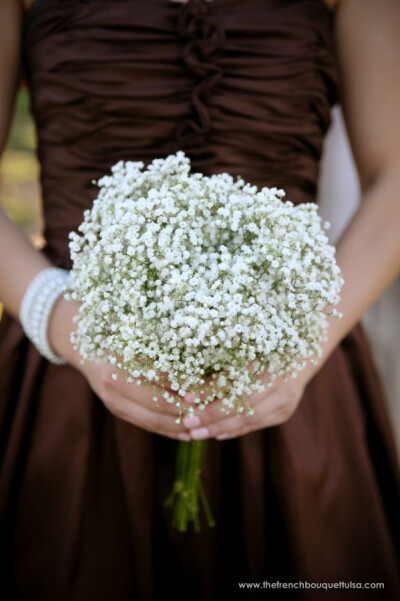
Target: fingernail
[191,421]
[184,437]
[221,437]
[200,433]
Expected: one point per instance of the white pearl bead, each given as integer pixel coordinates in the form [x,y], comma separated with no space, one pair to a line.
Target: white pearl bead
[37,305]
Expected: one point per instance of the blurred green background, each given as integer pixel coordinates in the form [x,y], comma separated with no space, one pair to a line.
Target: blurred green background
[19,171]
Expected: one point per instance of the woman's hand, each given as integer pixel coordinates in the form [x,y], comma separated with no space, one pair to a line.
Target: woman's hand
[134,403]
[272,407]
[130,402]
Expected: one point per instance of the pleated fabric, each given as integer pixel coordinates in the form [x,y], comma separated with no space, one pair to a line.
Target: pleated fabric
[243,86]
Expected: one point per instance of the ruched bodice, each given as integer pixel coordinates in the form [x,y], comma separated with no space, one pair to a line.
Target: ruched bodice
[244,87]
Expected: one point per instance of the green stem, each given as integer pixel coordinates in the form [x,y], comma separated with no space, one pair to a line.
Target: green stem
[188,491]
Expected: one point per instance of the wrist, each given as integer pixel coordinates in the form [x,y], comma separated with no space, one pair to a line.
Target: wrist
[61,325]
[37,305]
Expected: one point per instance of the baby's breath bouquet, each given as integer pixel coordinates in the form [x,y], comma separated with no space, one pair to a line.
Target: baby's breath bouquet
[207,279]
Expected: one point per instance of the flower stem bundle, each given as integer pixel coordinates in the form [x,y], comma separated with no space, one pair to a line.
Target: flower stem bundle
[188,492]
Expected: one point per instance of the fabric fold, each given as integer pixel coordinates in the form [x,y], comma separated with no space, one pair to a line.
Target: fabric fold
[203,37]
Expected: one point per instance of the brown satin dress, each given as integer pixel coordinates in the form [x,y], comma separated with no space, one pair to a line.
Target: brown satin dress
[243,86]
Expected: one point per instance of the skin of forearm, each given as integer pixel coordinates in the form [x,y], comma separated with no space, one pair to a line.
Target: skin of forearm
[368,253]
[20,262]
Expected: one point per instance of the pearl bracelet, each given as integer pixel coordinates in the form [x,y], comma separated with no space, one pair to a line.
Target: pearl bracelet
[36,307]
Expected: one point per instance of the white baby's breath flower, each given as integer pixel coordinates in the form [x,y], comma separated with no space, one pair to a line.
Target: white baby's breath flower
[198,276]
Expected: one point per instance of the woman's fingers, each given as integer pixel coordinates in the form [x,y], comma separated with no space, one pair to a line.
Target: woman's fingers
[276,407]
[272,419]
[142,393]
[134,403]
[216,411]
[146,394]
[143,417]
